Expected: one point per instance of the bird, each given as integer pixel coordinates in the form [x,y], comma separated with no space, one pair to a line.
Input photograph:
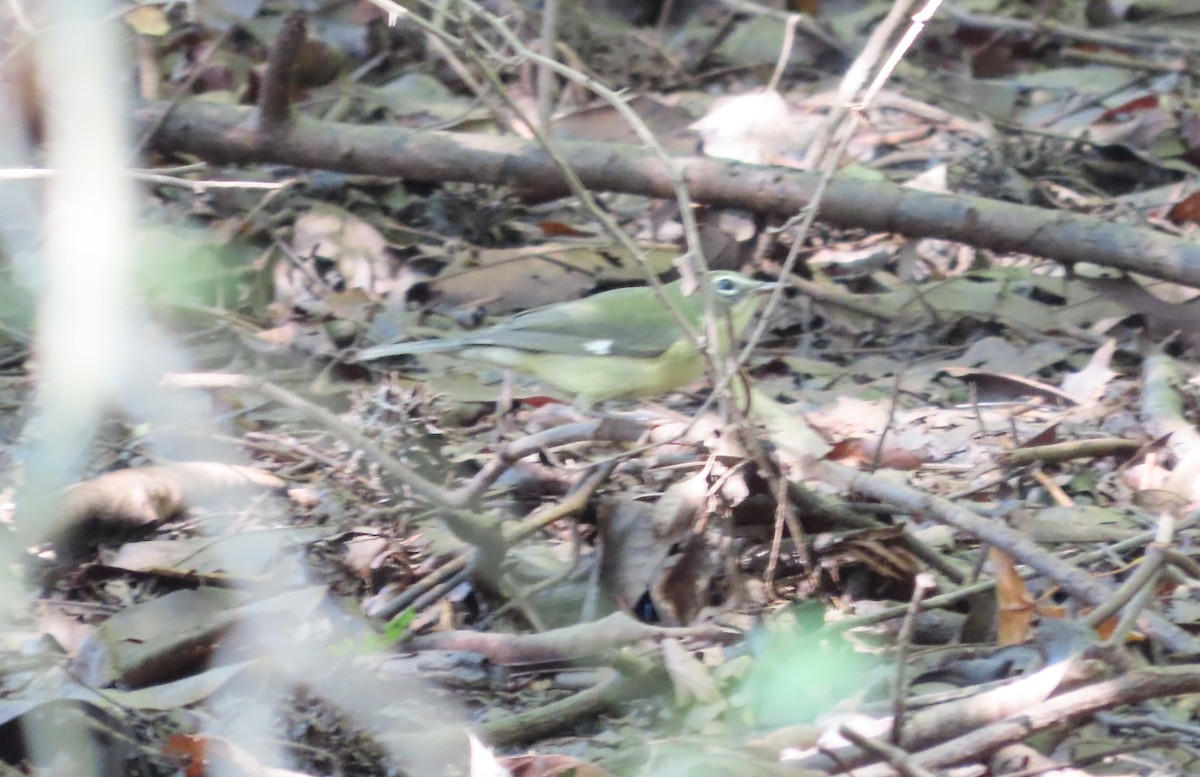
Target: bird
[618,344]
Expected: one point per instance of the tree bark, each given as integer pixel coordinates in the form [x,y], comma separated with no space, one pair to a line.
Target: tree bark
[226,135]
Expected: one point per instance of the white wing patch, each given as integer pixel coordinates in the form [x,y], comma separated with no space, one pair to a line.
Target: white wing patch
[598,347]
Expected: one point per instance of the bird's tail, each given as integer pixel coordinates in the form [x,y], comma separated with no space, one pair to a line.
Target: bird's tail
[404,349]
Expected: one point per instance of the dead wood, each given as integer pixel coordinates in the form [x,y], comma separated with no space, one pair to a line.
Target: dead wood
[225,135]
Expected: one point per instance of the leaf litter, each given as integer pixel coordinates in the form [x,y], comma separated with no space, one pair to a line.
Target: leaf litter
[679,616]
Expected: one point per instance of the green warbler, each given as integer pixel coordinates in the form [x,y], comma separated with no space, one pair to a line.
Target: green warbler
[618,344]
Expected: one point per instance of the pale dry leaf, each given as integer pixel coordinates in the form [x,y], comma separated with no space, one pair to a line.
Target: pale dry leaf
[749,128]
[689,677]
[1087,385]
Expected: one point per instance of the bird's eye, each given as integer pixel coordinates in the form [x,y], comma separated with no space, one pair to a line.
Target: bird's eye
[725,286]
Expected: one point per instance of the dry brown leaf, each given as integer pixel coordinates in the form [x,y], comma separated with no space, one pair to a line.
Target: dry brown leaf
[1016,607]
[133,500]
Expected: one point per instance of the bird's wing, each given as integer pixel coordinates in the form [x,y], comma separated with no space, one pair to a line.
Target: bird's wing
[642,328]
[584,327]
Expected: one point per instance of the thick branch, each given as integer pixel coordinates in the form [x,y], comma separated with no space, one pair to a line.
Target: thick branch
[217,133]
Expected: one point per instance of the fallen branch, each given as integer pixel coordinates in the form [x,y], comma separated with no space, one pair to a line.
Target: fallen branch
[225,135]
[570,643]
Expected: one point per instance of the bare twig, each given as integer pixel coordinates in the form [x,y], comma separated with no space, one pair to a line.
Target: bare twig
[923,584]
[1138,589]
[599,429]
[1130,688]
[953,597]
[817,155]
[1059,453]
[384,607]
[546,91]
[896,757]
[1075,581]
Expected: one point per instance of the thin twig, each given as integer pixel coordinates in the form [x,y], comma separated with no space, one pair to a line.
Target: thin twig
[1075,581]
[922,584]
[896,757]
[1138,589]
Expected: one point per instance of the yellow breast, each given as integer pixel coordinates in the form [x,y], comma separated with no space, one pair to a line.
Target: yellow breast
[592,379]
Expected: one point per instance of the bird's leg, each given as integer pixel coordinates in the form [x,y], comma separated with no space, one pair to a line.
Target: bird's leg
[504,405]
[740,387]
